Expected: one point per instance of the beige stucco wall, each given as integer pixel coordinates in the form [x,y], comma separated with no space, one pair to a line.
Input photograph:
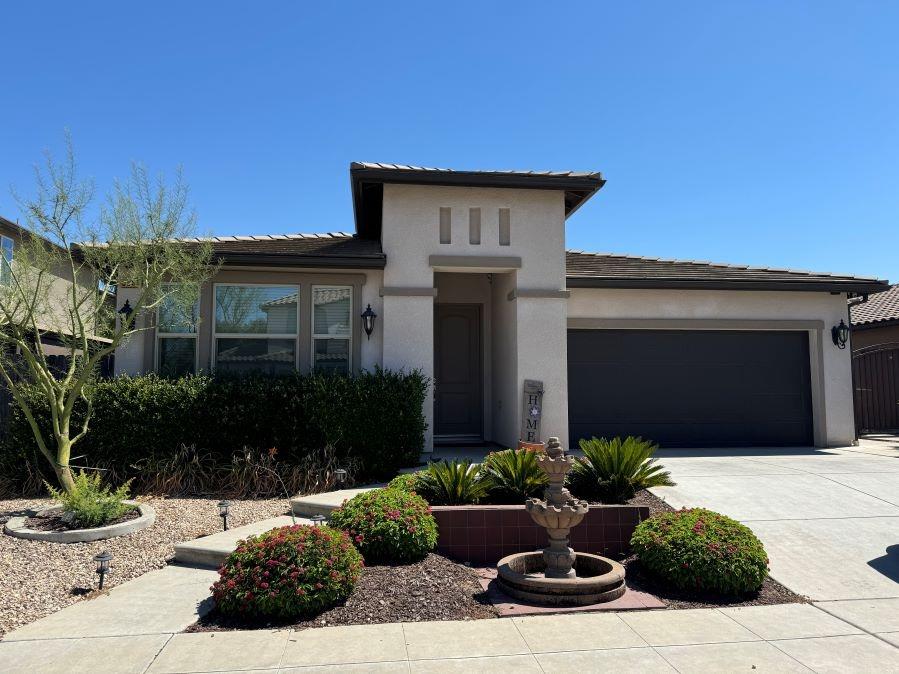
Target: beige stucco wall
[54,303]
[830,367]
[528,339]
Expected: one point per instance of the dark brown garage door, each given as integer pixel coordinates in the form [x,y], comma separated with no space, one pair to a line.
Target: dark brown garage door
[690,388]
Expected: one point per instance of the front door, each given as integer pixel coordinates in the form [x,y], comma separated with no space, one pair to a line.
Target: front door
[458,408]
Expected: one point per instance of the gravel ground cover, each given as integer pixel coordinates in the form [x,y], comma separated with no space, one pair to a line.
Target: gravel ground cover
[435,588]
[38,578]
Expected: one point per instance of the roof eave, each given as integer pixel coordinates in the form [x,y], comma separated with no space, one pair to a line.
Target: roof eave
[290,260]
[803,285]
[578,188]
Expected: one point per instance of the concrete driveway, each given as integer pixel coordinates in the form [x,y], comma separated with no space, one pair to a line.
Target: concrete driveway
[829,519]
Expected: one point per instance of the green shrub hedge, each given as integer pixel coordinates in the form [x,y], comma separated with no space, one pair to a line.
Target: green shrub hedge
[287,573]
[388,525]
[698,549]
[374,418]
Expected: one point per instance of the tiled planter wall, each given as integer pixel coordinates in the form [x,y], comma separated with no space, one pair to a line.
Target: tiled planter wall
[484,534]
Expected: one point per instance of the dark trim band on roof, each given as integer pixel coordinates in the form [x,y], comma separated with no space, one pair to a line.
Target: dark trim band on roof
[858,288]
[275,260]
[367,180]
[605,270]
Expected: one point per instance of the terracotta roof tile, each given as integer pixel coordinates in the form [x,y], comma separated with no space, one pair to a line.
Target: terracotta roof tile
[880,307]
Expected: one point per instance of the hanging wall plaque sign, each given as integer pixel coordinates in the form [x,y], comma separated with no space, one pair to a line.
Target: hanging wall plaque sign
[533,410]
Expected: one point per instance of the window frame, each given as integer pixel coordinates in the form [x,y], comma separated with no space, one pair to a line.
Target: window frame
[4,261]
[177,335]
[295,337]
[350,332]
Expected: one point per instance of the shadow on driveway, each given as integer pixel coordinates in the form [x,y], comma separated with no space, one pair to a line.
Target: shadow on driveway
[888,564]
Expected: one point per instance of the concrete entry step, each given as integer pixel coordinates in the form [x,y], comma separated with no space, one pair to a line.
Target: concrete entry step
[211,551]
[326,502]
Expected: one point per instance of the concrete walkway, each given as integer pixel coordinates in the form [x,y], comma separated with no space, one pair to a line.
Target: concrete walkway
[787,638]
[829,519]
[212,551]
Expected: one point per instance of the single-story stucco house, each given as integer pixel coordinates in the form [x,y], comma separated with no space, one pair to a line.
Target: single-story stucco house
[469,279]
[875,362]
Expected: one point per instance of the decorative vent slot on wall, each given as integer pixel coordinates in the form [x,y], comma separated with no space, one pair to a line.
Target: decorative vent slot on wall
[505,227]
[474,226]
[446,225]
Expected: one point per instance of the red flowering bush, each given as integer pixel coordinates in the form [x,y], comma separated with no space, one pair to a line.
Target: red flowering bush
[702,550]
[388,525]
[287,573]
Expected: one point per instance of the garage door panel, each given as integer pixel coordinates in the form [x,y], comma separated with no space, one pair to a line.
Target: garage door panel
[696,388]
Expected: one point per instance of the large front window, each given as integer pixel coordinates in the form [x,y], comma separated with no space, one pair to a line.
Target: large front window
[176,337]
[332,328]
[256,328]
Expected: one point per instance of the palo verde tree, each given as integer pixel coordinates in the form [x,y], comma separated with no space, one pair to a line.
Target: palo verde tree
[58,288]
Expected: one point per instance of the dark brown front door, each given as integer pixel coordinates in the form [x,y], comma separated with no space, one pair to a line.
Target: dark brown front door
[457,369]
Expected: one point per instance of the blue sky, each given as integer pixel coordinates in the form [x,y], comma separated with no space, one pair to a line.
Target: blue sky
[762,132]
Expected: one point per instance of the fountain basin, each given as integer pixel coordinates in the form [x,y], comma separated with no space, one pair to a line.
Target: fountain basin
[567,516]
[598,580]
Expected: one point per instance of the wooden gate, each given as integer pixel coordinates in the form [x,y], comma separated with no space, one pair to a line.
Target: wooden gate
[875,381]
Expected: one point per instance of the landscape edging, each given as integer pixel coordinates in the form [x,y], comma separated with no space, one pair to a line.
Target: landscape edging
[16,527]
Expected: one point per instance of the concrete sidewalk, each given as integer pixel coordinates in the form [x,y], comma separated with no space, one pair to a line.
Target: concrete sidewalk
[792,637]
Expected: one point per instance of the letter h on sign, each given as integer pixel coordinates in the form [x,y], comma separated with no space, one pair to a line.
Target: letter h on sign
[533,410]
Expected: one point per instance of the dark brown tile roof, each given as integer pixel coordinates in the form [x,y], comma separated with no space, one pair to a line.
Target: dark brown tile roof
[517,173]
[879,308]
[368,178]
[335,249]
[626,271]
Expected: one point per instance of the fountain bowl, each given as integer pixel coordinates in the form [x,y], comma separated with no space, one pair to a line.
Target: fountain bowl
[598,580]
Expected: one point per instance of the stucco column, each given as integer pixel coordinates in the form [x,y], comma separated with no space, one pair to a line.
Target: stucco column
[542,354]
[408,325]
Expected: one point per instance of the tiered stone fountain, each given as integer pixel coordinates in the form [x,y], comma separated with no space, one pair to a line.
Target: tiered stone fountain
[557,575]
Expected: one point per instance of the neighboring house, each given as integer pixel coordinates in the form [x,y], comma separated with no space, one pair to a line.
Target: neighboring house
[469,277]
[55,318]
[875,362]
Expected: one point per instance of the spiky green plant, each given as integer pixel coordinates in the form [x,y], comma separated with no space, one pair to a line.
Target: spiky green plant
[453,483]
[613,470]
[513,475]
[90,503]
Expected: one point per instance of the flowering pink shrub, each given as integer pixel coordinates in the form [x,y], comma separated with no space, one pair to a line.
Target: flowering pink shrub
[702,550]
[289,572]
[388,525]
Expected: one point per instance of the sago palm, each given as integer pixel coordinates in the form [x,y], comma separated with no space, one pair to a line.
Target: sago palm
[613,470]
[452,483]
[513,475]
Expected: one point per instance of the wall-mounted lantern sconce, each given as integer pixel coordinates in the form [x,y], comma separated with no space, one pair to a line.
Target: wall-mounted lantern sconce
[368,321]
[840,334]
[126,309]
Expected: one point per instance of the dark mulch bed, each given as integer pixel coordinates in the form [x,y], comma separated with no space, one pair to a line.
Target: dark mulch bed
[640,579]
[432,589]
[55,521]
[651,501]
